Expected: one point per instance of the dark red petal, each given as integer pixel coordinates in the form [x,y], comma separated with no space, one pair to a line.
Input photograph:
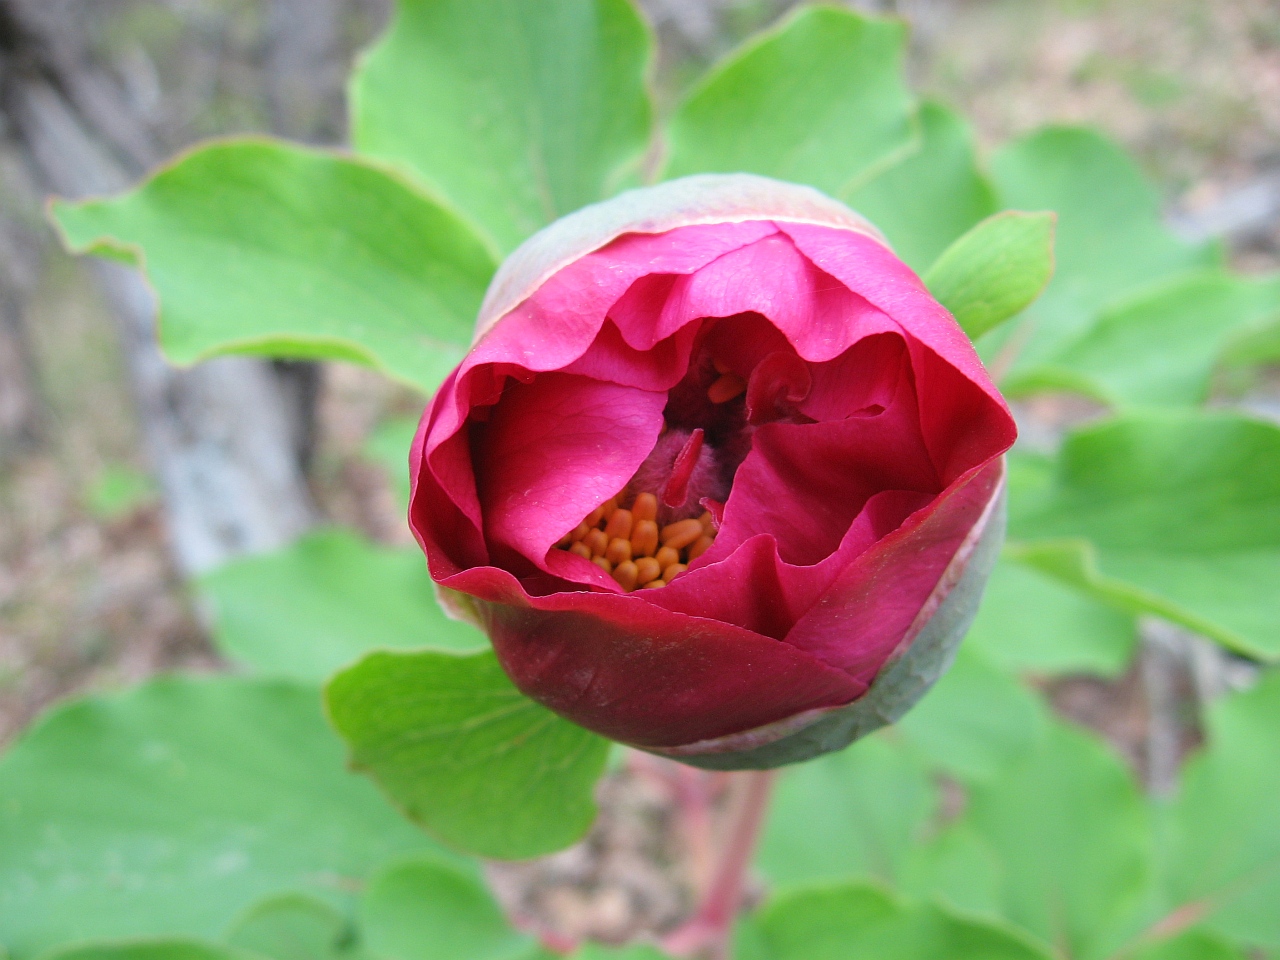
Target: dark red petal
[639,674]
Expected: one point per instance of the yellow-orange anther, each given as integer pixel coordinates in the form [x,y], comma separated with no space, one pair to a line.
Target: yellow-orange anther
[680,534]
[726,387]
[603,564]
[644,538]
[699,547]
[666,557]
[673,571]
[594,518]
[565,540]
[608,507]
[618,551]
[647,570]
[653,584]
[645,507]
[597,542]
[580,531]
[707,521]
[619,525]
[581,549]
[626,575]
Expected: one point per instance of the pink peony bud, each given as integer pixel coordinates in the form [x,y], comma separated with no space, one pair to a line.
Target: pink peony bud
[719,477]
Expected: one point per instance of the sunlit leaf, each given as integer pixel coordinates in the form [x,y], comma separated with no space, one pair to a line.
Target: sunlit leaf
[819,100]
[515,113]
[995,270]
[254,246]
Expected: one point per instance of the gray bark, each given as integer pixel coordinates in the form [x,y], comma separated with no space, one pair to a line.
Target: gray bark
[220,436]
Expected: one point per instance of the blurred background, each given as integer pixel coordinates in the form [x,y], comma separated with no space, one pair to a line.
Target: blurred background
[121,479]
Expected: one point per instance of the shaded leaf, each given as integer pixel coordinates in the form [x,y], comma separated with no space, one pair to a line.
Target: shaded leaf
[1109,242]
[819,100]
[929,198]
[447,736]
[854,813]
[1223,831]
[1161,347]
[515,113]
[975,721]
[1176,514]
[171,808]
[149,950]
[1030,622]
[254,246]
[1072,835]
[995,270]
[323,602]
[291,926]
[429,909]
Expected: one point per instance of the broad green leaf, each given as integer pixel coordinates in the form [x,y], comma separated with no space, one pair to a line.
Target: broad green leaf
[464,753]
[1161,347]
[291,926]
[388,445]
[956,868]
[323,602]
[169,809]
[1033,623]
[1109,242]
[854,813]
[1071,833]
[976,721]
[852,922]
[995,270]
[149,950]
[429,909]
[818,100]
[595,951]
[930,198]
[820,922]
[1176,514]
[1192,945]
[254,246]
[514,113]
[1223,836]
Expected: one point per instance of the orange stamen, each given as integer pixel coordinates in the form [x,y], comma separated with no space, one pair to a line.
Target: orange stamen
[626,574]
[619,525]
[645,507]
[726,387]
[618,551]
[644,538]
[699,547]
[581,549]
[680,534]
[647,570]
[666,557]
[597,542]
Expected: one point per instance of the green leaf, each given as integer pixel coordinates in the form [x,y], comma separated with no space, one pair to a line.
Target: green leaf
[956,868]
[149,950]
[1161,347]
[169,809]
[514,113]
[819,100]
[388,445]
[1192,945]
[1109,237]
[975,721]
[254,246]
[848,814]
[428,909]
[995,270]
[853,922]
[1071,832]
[1176,514]
[1223,830]
[1033,623]
[595,951]
[291,926]
[447,737]
[323,602]
[928,199]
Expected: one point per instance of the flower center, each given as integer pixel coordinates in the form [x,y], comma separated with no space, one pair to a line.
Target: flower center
[676,496]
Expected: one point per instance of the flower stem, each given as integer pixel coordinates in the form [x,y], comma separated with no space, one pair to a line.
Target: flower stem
[709,931]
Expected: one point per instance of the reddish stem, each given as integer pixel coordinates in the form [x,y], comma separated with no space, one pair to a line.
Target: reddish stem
[711,926]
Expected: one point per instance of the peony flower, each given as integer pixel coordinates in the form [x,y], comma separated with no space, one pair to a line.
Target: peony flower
[719,477]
